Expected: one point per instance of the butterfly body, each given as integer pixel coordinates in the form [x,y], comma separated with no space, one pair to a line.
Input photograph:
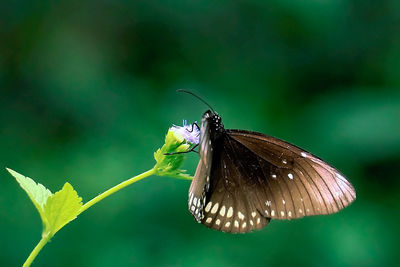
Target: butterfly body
[244,179]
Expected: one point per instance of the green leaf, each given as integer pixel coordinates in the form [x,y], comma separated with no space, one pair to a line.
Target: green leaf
[56,210]
[61,208]
[36,192]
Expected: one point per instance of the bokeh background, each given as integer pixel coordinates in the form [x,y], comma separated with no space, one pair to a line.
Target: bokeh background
[88,93]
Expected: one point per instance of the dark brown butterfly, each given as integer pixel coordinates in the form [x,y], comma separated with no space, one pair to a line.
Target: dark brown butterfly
[244,179]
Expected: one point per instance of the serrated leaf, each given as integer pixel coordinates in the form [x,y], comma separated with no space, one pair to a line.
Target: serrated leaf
[61,208]
[36,191]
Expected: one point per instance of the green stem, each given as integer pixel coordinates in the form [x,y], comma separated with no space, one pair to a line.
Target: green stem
[115,189]
[36,250]
[46,237]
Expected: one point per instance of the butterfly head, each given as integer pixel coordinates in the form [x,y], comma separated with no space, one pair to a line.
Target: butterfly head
[215,122]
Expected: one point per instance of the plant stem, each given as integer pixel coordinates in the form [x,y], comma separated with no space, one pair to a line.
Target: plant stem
[36,250]
[46,237]
[115,189]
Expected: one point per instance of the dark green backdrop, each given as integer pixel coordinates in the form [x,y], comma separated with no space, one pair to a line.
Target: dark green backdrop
[88,93]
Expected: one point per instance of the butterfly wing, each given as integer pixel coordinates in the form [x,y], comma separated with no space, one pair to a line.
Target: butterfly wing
[216,198]
[244,179]
[288,181]
[201,181]
[229,206]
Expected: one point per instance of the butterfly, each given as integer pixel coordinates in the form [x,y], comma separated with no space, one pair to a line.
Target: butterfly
[244,179]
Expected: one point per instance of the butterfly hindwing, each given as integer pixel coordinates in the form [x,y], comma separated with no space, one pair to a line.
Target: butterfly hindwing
[228,206]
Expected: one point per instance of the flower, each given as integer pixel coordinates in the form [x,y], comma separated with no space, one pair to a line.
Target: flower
[170,156]
[189,132]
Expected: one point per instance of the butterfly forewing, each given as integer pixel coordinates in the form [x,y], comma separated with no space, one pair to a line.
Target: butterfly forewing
[296,183]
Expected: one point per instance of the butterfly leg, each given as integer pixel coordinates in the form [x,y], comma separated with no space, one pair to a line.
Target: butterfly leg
[193,124]
[184,152]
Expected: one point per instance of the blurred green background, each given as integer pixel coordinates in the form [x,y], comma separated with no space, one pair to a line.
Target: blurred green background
[88,93]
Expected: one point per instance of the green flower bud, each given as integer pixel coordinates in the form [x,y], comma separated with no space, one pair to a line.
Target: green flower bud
[168,159]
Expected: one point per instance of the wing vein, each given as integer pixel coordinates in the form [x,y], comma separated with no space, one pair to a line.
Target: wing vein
[317,188]
[269,188]
[321,177]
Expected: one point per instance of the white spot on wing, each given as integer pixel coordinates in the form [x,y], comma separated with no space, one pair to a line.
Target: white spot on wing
[222,211]
[227,224]
[303,154]
[236,224]
[315,160]
[244,225]
[241,216]
[230,212]
[272,212]
[209,219]
[215,208]
[253,214]
[208,207]
[290,176]
[338,175]
[191,199]
[218,221]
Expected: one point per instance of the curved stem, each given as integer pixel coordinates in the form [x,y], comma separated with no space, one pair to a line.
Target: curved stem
[46,236]
[115,189]
[36,250]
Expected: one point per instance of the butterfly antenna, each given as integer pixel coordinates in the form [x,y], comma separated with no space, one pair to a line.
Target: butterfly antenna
[198,97]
